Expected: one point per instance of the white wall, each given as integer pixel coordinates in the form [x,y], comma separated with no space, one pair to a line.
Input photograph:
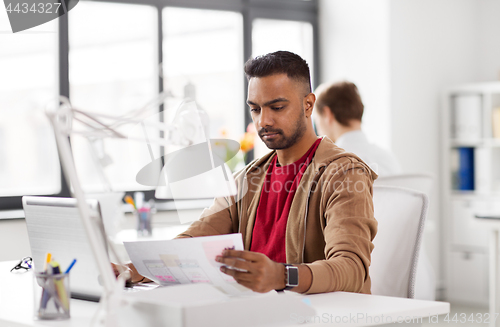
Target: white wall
[403,53]
[14,243]
[489,40]
[354,45]
[433,45]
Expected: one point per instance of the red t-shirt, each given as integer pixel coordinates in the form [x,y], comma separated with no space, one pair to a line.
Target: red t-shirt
[276,198]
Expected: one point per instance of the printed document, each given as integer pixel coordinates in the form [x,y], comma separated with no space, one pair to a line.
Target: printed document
[186,261]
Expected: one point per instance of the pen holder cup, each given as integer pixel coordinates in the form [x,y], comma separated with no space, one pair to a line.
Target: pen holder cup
[143,217]
[51,296]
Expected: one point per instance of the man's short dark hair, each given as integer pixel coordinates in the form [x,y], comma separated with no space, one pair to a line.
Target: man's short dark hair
[279,62]
[343,99]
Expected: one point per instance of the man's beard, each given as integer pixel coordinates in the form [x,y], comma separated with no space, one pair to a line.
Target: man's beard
[281,141]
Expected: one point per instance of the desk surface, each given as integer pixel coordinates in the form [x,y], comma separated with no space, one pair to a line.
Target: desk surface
[16,306]
[16,302]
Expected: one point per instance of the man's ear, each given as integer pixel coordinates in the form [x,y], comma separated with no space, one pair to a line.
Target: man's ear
[309,101]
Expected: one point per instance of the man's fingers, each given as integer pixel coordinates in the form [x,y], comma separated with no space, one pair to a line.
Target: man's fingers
[235,263]
[122,271]
[246,255]
[125,274]
[261,272]
[118,269]
[239,276]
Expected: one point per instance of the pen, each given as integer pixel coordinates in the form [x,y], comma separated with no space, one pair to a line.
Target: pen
[130,201]
[45,293]
[51,292]
[47,260]
[43,282]
[61,291]
[70,266]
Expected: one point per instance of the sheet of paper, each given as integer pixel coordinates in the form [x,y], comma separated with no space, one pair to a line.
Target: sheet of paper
[186,261]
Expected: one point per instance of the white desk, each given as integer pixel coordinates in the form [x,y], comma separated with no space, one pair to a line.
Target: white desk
[16,302]
[16,307]
[494,225]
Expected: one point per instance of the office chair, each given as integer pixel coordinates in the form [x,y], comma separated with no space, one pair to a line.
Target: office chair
[421,182]
[401,216]
[425,281]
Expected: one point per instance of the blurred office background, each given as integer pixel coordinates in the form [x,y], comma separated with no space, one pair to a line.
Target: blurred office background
[114,56]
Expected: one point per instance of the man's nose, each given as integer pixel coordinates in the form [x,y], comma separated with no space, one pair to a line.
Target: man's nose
[266,118]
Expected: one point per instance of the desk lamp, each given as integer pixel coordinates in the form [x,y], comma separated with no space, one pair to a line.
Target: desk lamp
[194,171]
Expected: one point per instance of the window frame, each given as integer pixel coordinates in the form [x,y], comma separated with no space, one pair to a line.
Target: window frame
[291,10]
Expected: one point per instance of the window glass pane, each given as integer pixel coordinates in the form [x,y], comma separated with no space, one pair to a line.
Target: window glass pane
[28,64]
[203,59]
[113,66]
[269,35]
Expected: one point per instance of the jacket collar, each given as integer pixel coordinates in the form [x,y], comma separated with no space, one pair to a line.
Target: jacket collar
[326,153]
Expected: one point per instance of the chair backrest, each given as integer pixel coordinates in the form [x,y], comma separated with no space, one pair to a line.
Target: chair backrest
[421,182]
[401,216]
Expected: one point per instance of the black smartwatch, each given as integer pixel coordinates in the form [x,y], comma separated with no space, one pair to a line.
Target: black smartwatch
[291,277]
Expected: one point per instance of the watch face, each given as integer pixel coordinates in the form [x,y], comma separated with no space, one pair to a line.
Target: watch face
[292,276]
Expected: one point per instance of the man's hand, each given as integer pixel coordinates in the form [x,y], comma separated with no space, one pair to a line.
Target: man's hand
[134,278]
[260,274]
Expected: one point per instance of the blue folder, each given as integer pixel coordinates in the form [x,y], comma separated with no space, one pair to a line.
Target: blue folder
[466,169]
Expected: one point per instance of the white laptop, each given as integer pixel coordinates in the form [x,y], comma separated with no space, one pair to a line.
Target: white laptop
[54,226]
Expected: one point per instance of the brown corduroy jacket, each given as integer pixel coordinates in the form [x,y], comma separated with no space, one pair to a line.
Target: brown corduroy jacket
[330,226]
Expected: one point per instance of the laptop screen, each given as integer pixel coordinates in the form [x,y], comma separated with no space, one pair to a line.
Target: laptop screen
[54,226]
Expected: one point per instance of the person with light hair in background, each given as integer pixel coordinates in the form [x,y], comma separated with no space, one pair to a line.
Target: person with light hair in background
[338,113]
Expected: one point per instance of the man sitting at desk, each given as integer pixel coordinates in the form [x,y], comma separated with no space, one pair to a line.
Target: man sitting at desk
[308,203]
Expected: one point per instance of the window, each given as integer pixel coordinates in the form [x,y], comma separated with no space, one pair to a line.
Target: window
[113,68]
[269,35]
[28,156]
[203,60]
[114,56]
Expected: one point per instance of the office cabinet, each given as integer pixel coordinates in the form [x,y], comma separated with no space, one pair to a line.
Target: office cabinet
[470,186]
[466,231]
[469,279]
